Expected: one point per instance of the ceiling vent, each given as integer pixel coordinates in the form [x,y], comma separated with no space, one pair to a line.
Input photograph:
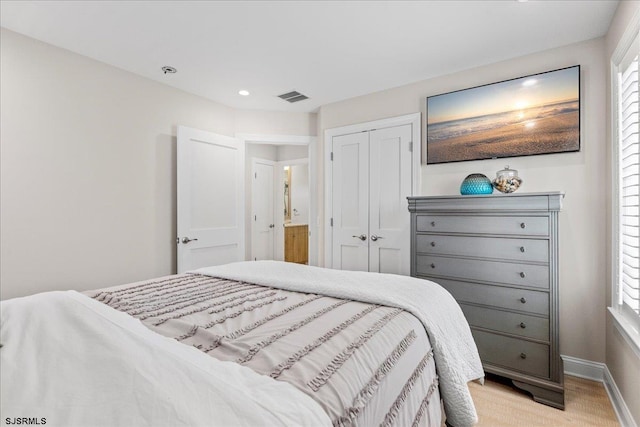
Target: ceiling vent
[293,96]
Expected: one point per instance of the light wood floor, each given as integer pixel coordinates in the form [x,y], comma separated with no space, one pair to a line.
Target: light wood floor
[586,404]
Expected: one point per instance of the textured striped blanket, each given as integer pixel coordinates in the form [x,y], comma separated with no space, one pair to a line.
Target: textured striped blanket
[365,364]
[454,350]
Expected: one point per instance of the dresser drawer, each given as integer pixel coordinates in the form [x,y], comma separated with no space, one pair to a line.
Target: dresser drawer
[524,300]
[520,355]
[504,321]
[536,276]
[505,225]
[535,250]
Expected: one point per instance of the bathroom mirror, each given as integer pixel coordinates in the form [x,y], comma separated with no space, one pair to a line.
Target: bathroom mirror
[287,194]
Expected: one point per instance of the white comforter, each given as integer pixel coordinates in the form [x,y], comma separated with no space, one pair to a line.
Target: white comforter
[68,360]
[455,352]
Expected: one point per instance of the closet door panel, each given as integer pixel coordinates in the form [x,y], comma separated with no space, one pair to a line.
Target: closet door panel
[351,202]
[389,185]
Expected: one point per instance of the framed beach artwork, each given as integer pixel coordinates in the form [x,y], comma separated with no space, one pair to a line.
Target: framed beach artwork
[536,114]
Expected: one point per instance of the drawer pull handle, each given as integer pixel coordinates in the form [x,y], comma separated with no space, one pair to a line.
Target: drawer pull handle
[523,300]
[522,274]
[522,249]
[433,223]
[523,225]
[433,244]
[433,265]
[523,356]
[523,325]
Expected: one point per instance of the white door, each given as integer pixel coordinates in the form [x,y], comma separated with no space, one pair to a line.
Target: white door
[262,206]
[389,185]
[350,249]
[371,179]
[210,201]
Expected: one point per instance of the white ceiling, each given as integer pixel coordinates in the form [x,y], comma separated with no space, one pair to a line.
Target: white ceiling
[328,51]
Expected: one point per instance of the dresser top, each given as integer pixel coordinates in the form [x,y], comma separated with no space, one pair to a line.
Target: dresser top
[484,196]
[546,201]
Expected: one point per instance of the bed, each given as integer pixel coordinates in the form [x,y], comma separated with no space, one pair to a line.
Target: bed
[261,343]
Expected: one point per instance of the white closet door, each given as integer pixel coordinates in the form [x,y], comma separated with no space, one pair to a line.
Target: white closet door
[390,162]
[210,175]
[263,222]
[351,202]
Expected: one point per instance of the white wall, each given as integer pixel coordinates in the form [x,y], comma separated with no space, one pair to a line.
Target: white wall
[87,167]
[292,152]
[275,123]
[581,175]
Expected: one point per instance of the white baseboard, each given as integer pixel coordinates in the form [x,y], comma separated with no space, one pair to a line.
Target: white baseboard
[619,405]
[583,368]
[596,371]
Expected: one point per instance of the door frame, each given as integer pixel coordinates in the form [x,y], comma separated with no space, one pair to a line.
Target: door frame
[311,143]
[413,119]
[273,163]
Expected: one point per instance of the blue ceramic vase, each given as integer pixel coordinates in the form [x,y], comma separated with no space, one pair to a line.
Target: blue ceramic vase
[476,183]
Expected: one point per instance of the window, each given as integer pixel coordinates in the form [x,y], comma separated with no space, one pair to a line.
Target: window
[626,227]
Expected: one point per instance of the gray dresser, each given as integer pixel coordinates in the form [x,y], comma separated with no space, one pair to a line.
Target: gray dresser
[498,256]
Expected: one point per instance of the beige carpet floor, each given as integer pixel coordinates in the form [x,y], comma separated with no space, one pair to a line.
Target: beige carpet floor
[499,404]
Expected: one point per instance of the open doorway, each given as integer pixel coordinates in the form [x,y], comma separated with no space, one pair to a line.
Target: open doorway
[294,186]
[294,223]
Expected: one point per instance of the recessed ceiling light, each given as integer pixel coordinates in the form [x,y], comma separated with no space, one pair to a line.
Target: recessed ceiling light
[243,92]
[168,69]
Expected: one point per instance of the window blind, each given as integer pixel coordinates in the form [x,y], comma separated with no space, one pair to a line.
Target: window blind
[629,172]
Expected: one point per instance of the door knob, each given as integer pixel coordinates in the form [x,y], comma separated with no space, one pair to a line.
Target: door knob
[362,237]
[187,240]
[271,225]
[374,237]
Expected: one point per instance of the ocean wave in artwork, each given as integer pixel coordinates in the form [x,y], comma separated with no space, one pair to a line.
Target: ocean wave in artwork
[454,128]
[542,129]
